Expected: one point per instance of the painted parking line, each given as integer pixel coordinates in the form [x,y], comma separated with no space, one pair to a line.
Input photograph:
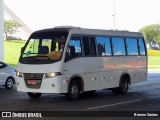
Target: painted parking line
[97,107]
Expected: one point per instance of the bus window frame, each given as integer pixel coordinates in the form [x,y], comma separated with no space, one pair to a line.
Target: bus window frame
[111,45]
[67,45]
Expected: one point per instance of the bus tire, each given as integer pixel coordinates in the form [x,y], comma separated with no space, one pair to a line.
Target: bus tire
[34,95]
[123,87]
[74,91]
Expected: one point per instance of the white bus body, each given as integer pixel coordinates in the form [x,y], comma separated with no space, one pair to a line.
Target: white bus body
[91,60]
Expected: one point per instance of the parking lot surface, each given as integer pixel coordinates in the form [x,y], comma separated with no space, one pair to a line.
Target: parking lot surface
[140,97]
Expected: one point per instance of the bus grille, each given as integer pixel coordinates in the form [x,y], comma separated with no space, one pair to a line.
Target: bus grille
[33,80]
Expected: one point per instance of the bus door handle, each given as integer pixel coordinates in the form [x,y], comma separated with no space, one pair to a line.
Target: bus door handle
[65,70]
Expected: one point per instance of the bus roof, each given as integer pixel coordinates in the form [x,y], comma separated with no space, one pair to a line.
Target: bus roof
[87,31]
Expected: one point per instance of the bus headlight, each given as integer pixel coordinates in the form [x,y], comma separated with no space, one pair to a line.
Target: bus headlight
[19,74]
[53,74]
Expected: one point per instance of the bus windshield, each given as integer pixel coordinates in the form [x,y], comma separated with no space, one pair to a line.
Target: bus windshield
[44,48]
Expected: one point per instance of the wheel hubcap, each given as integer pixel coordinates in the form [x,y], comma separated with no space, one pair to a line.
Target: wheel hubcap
[74,90]
[10,83]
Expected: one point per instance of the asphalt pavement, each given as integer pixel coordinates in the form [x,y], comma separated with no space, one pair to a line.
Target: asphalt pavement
[142,99]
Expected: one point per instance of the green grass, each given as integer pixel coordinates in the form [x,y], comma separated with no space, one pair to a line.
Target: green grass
[154,62]
[12,52]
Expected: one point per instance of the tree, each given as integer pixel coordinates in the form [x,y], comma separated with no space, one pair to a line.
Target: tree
[10,27]
[151,33]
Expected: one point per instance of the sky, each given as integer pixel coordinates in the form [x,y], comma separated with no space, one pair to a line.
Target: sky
[130,15]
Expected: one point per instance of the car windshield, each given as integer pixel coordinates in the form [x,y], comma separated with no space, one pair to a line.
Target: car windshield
[44,47]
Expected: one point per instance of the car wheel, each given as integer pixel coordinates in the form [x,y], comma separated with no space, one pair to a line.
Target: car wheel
[34,95]
[9,83]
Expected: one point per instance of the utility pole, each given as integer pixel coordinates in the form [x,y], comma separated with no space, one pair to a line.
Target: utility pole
[114,15]
[1,31]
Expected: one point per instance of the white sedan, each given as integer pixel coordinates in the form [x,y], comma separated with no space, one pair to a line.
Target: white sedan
[7,75]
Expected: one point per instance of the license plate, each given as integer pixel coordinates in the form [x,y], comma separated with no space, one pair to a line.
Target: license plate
[33,82]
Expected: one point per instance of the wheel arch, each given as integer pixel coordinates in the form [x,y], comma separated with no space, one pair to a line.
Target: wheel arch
[76,78]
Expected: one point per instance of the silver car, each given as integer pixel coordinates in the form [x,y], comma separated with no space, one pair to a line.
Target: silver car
[7,75]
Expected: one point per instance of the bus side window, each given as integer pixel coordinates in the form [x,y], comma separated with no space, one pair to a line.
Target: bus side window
[132,47]
[86,46]
[74,48]
[141,46]
[103,46]
[92,46]
[118,46]
[89,46]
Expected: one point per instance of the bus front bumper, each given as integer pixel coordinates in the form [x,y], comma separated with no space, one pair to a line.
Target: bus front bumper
[49,85]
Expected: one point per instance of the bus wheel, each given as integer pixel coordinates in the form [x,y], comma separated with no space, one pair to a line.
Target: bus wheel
[123,88]
[74,91]
[34,95]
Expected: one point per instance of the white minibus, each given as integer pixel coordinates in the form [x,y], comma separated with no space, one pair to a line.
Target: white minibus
[72,60]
